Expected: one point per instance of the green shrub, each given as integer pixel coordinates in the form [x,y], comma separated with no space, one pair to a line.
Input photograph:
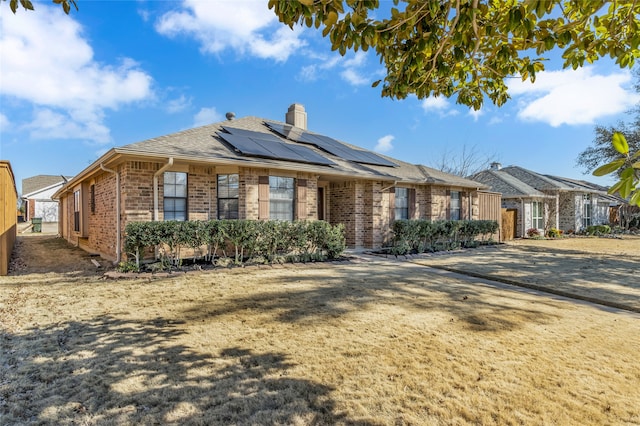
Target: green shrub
[598,230]
[248,240]
[419,236]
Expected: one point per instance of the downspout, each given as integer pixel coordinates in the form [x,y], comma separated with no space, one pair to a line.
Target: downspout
[524,217]
[155,187]
[118,227]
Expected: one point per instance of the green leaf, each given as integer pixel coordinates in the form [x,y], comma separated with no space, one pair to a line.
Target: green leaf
[615,188]
[635,199]
[626,187]
[620,143]
[608,168]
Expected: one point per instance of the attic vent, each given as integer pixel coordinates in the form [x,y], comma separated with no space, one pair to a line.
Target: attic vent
[495,166]
[230,115]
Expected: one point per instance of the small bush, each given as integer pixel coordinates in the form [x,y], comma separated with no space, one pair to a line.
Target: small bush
[554,233]
[598,230]
[533,233]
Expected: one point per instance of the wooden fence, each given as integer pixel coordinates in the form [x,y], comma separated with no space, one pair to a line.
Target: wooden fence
[8,217]
[489,208]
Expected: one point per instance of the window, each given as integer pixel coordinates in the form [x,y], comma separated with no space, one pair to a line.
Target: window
[586,210]
[175,196]
[92,198]
[537,220]
[454,206]
[228,196]
[76,211]
[281,194]
[402,203]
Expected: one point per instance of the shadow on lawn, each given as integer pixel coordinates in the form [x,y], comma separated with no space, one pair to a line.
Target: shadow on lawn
[128,372]
[605,279]
[357,288]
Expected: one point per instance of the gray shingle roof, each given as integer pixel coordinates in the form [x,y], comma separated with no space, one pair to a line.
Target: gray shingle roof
[36,183]
[202,144]
[508,185]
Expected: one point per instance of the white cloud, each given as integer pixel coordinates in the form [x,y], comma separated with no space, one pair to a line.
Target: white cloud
[311,72]
[178,104]
[50,124]
[47,62]
[476,113]
[244,26]
[206,116]
[384,144]
[573,97]
[354,69]
[4,122]
[439,105]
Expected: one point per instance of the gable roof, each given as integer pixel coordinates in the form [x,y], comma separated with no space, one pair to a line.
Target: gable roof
[518,182]
[506,184]
[583,185]
[204,145]
[40,182]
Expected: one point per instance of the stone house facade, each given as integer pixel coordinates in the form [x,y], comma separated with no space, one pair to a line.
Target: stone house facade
[543,202]
[224,170]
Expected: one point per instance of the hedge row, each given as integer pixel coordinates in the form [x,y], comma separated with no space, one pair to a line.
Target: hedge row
[239,241]
[420,236]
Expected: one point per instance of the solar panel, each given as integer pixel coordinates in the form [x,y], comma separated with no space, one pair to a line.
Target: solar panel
[251,144]
[331,146]
[252,134]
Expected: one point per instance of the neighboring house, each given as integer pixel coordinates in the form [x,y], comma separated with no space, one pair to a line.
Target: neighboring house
[544,201]
[252,168]
[36,196]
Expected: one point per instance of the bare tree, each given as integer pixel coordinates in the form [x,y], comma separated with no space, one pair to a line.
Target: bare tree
[466,162]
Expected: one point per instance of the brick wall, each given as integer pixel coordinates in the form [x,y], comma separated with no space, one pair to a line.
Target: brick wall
[342,204]
[249,208]
[102,222]
[201,191]
[437,203]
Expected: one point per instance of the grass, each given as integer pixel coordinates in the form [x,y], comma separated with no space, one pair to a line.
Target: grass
[352,343]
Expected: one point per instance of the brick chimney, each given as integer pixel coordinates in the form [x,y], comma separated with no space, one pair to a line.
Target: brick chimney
[296,116]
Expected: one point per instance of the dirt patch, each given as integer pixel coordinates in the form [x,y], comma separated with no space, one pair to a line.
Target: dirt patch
[48,253]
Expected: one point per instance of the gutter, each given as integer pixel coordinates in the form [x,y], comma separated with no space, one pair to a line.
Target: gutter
[118,226]
[155,187]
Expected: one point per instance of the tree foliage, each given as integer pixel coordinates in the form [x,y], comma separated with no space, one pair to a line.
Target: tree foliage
[469,47]
[28,5]
[616,150]
[628,168]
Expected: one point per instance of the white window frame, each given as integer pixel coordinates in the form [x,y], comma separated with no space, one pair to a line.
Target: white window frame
[401,203]
[175,196]
[537,215]
[228,187]
[282,193]
[455,205]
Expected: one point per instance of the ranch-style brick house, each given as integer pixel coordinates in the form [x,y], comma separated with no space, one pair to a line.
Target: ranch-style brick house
[545,201]
[253,168]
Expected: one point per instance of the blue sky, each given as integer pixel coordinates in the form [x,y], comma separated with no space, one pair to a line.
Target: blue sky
[114,73]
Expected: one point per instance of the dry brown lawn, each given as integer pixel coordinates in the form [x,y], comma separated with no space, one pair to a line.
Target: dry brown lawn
[371,341]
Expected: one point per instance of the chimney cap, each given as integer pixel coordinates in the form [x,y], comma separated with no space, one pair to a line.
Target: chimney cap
[230,115]
[495,166]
